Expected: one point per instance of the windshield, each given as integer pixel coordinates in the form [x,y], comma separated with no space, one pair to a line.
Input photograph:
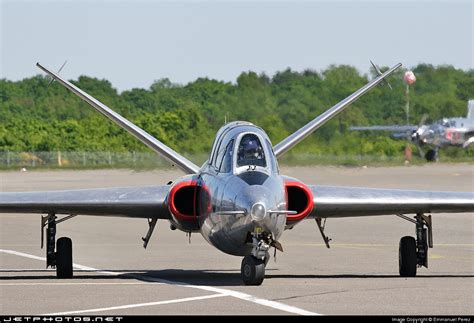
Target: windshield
[250,152]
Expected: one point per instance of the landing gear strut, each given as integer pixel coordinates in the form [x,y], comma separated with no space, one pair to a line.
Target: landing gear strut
[253,266]
[61,259]
[413,252]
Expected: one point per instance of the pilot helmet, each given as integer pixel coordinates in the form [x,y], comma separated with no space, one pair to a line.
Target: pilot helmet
[249,147]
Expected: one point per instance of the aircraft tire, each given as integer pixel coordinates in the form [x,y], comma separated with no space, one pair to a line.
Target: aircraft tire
[64,258]
[267,258]
[431,155]
[252,270]
[407,257]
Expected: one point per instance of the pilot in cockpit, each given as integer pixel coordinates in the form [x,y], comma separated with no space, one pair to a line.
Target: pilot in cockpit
[250,152]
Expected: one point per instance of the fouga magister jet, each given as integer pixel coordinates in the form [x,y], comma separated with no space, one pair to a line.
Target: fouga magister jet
[237,199]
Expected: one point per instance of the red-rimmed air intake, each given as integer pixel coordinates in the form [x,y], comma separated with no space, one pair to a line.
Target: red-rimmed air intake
[187,200]
[300,199]
[182,200]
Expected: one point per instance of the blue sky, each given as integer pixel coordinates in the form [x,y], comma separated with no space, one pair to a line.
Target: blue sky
[133,43]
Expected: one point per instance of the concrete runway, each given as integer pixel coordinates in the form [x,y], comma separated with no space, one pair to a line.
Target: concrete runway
[358,275]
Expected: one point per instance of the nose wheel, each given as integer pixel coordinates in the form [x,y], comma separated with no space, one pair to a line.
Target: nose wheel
[253,265]
[252,270]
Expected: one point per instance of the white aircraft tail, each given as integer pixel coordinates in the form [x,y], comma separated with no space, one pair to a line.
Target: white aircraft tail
[470,109]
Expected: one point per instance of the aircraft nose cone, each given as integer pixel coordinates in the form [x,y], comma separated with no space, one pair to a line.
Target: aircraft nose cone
[258,212]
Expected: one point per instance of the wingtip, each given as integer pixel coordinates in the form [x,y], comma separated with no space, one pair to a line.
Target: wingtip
[41,67]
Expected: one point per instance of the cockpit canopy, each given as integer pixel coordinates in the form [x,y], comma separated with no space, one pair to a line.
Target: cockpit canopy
[251,152]
[445,122]
[242,147]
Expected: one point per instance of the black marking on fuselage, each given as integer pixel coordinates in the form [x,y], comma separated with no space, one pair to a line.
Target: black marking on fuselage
[253,177]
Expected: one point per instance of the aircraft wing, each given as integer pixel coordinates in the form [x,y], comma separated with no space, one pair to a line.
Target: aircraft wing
[165,151]
[136,202]
[334,201]
[394,128]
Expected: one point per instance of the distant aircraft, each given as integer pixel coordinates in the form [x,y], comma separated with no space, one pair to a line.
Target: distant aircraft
[237,200]
[457,132]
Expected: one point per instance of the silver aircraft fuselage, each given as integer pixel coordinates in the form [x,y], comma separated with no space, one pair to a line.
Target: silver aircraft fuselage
[238,200]
[229,232]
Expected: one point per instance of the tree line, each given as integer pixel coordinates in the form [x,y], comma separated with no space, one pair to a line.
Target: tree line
[35,117]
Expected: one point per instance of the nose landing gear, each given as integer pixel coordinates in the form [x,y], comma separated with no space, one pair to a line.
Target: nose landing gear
[253,266]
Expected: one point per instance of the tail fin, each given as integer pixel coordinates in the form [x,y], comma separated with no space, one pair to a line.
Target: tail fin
[377,69]
[59,71]
[470,109]
[139,133]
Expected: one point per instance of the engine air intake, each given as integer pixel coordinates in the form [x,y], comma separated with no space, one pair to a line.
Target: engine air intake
[299,199]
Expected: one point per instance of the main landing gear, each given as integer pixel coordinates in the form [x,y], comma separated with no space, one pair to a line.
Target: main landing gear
[413,253]
[253,266]
[61,259]
[432,155]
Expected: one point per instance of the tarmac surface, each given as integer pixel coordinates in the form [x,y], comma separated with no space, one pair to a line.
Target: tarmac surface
[114,275]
